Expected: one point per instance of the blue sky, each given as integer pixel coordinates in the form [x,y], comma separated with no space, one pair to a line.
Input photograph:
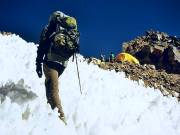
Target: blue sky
[104,24]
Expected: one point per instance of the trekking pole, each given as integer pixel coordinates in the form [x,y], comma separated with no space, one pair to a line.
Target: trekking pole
[78,73]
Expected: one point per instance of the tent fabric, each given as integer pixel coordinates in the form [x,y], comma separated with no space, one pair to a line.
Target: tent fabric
[122,57]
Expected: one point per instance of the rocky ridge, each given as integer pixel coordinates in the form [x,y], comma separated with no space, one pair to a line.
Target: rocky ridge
[156,48]
[5,33]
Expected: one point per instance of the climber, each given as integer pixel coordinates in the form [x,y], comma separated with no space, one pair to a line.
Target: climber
[59,40]
[102,57]
[111,57]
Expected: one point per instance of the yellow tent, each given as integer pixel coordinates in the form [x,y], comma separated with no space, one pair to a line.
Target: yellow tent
[122,57]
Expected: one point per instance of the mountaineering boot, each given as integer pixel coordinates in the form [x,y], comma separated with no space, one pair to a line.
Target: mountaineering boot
[62,117]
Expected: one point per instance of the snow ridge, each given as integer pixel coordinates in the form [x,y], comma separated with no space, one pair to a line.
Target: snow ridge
[110,104]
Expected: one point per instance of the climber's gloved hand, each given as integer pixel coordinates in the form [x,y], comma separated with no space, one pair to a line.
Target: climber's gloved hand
[39,69]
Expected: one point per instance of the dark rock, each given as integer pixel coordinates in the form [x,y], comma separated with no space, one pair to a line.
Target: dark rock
[156,48]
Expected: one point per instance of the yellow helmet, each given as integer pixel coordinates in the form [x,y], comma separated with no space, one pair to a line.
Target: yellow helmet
[70,22]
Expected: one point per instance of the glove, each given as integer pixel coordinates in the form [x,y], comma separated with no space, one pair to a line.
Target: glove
[39,70]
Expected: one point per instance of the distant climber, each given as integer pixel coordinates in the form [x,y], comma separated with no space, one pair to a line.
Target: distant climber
[111,57]
[125,57]
[59,41]
[102,57]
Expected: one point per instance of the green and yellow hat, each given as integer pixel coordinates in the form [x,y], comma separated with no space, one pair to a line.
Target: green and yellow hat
[70,22]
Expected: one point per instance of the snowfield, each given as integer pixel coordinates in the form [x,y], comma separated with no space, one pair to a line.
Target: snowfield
[110,104]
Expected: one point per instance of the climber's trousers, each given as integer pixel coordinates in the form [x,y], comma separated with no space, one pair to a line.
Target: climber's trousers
[52,88]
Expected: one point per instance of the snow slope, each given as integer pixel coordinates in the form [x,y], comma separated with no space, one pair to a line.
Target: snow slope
[110,104]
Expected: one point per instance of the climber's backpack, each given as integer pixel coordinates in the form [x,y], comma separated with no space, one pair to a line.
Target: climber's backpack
[64,41]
